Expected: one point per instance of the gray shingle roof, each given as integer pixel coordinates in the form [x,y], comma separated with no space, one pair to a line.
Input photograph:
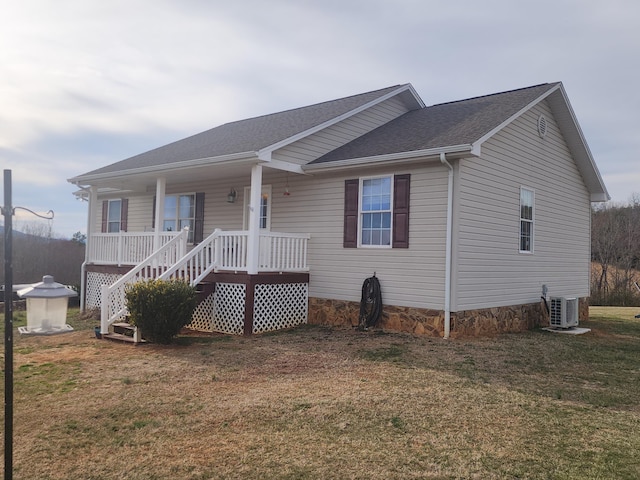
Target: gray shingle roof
[248,135]
[447,124]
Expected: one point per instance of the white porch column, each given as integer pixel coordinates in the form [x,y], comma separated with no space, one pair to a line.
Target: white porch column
[161,184]
[253,240]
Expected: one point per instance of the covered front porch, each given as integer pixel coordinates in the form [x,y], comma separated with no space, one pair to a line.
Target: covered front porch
[249,279]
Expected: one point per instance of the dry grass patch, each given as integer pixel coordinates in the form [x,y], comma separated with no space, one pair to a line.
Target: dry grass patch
[323,403]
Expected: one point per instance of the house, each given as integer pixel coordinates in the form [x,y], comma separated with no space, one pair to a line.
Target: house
[465,211]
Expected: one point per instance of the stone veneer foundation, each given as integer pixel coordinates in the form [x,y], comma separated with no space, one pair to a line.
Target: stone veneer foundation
[421,321]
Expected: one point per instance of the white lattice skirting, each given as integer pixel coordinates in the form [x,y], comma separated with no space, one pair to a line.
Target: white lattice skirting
[228,308]
[276,306]
[94,284]
[201,319]
[280,305]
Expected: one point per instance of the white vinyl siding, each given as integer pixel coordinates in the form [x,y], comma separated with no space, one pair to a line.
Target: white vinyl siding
[317,144]
[412,277]
[218,212]
[490,271]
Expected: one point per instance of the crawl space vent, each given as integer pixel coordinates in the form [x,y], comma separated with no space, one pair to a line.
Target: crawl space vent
[542,125]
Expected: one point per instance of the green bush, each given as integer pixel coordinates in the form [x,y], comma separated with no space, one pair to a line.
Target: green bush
[160,308]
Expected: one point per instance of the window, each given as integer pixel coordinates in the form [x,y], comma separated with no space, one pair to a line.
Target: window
[526,220]
[376,212]
[179,212]
[114,215]
[265,207]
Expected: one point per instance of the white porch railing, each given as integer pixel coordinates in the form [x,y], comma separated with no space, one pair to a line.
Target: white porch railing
[222,250]
[113,302]
[283,252]
[227,250]
[124,248]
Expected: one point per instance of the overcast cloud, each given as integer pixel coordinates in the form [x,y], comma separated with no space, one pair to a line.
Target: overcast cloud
[86,83]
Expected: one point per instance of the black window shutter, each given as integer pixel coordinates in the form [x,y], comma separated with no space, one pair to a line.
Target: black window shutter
[153,213]
[105,212]
[351,194]
[124,213]
[198,227]
[401,185]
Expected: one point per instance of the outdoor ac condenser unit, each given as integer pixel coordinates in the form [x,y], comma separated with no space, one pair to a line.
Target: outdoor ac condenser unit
[563,312]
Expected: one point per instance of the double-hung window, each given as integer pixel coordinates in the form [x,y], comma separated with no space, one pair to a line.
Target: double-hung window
[179,212]
[526,220]
[375,212]
[114,217]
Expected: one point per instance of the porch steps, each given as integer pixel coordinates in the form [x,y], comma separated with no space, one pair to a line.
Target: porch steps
[123,332]
[203,290]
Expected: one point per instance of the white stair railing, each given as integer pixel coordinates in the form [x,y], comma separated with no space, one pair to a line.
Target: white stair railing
[197,264]
[113,305]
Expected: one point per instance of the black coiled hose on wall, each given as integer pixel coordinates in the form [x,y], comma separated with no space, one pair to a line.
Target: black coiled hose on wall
[370,303]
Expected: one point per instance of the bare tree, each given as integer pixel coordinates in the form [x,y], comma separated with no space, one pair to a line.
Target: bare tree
[615,247]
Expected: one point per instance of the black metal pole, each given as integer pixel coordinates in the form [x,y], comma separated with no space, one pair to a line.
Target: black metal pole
[8,328]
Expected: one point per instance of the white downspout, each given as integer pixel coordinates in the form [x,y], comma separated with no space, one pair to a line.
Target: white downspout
[447,274]
[92,202]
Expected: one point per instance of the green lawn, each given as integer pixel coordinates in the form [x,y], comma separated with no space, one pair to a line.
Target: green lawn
[321,403]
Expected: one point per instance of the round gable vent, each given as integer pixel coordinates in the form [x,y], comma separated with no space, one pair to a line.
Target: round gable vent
[542,125]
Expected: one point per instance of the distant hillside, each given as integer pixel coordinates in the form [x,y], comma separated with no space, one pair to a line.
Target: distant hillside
[16,233]
[35,256]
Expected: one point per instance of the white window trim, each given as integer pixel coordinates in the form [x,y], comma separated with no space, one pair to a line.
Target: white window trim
[533,219]
[266,190]
[119,210]
[177,228]
[360,212]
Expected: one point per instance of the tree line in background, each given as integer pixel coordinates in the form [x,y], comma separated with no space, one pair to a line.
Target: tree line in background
[615,253]
[36,252]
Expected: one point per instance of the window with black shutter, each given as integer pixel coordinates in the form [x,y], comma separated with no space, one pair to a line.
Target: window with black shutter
[376,212]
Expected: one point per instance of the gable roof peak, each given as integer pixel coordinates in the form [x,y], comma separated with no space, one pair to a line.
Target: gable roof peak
[327,103]
[506,92]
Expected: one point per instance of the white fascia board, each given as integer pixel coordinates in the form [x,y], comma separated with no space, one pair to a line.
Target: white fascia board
[285,166]
[389,159]
[600,197]
[491,133]
[287,141]
[267,158]
[586,156]
[165,168]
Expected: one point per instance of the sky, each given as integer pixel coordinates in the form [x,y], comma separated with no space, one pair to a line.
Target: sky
[86,83]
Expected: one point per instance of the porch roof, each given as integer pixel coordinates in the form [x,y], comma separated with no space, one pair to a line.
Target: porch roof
[245,139]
